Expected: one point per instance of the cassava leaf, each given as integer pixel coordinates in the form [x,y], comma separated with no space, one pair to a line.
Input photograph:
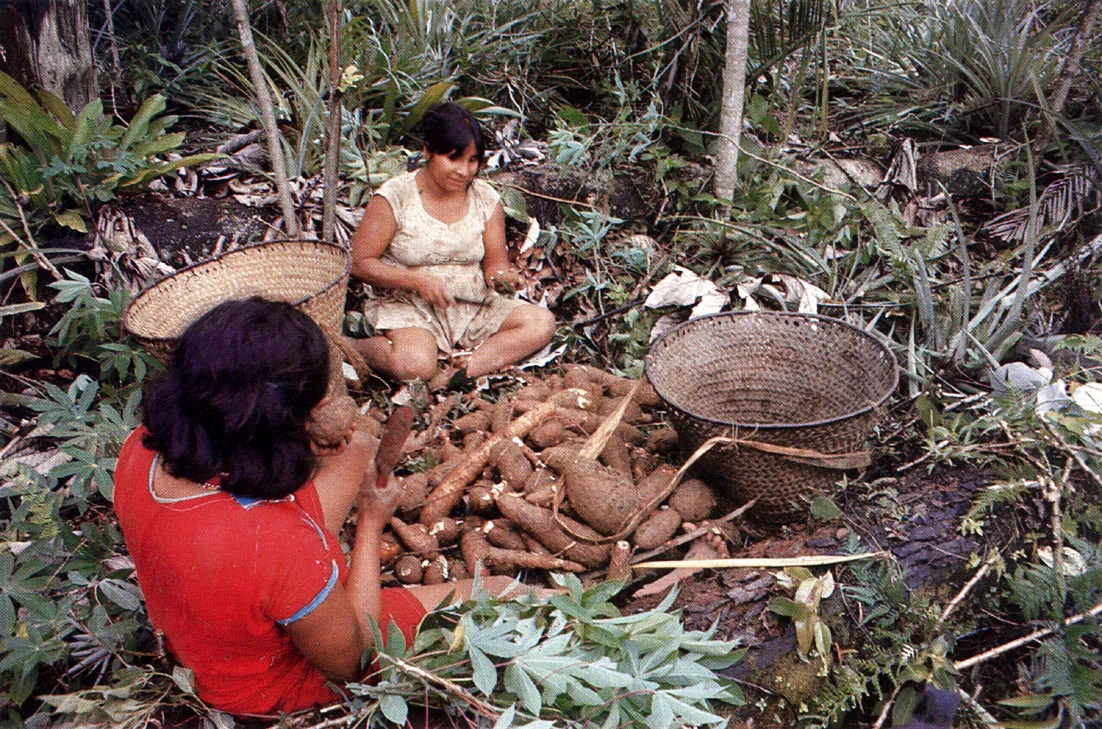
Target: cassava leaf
[394,708]
[520,685]
[485,673]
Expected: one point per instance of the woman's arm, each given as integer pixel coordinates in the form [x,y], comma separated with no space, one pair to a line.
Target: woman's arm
[496,259]
[373,237]
[334,636]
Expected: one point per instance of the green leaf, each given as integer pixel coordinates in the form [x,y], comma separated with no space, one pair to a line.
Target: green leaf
[395,644]
[1051,723]
[1036,702]
[572,116]
[56,106]
[7,617]
[601,593]
[158,145]
[433,95]
[221,720]
[161,170]
[485,673]
[783,606]
[84,127]
[153,106]
[121,593]
[661,712]
[394,708]
[520,685]
[184,678]
[71,219]
[506,720]
[12,89]
[71,703]
[23,308]
[22,686]
[825,509]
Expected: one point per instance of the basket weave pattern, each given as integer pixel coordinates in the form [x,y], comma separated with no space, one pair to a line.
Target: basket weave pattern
[312,275]
[790,380]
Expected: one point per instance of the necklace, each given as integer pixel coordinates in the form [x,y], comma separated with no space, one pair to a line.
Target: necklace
[214,483]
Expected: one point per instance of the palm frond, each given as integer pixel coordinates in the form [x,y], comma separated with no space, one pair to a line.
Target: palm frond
[1073,194]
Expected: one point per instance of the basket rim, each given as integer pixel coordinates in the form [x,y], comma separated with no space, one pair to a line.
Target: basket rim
[830,321]
[302,242]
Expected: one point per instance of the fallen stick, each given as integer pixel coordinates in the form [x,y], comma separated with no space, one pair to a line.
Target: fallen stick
[678,541]
[599,439]
[983,570]
[1019,642]
[764,562]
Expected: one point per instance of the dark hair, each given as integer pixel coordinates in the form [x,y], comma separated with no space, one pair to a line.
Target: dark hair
[236,398]
[448,127]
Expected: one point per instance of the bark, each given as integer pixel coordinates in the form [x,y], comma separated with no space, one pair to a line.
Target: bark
[734,88]
[1070,67]
[267,117]
[333,131]
[44,43]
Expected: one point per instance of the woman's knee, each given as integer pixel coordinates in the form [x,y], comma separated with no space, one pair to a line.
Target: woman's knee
[414,366]
[540,323]
[413,357]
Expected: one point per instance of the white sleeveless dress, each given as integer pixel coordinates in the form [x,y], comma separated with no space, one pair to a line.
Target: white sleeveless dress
[451,251]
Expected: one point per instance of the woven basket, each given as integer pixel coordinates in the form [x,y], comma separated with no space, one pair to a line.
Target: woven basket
[799,394]
[310,274]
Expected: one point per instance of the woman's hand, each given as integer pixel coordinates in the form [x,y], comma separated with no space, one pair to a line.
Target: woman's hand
[377,505]
[433,291]
[505,281]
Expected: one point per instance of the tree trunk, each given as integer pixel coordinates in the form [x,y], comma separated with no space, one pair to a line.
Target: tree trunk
[44,43]
[333,130]
[1079,44]
[267,117]
[734,88]
[1069,69]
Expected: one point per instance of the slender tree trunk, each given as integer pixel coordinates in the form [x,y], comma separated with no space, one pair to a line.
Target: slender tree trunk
[44,43]
[1070,67]
[333,131]
[116,65]
[734,89]
[267,117]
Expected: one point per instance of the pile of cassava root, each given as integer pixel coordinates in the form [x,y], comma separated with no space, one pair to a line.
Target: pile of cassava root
[568,474]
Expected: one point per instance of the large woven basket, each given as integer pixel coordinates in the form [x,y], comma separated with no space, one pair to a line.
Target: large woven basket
[310,274]
[798,394]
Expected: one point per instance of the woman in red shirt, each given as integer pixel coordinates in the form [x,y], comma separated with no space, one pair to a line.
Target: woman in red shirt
[230,515]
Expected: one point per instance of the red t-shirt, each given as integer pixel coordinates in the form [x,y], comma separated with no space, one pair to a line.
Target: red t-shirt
[221,574]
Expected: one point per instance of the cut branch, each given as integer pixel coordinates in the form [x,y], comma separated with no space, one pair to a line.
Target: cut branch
[333,130]
[1024,640]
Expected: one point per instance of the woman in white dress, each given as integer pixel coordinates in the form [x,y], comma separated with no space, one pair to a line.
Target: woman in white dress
[432,246]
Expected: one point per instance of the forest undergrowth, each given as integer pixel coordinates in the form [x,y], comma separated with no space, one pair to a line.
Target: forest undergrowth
[902,169]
